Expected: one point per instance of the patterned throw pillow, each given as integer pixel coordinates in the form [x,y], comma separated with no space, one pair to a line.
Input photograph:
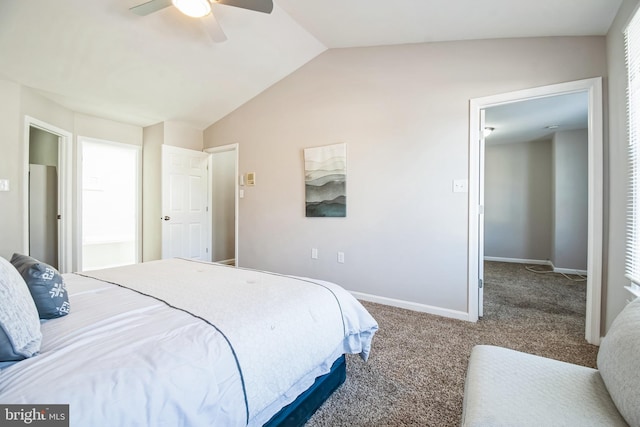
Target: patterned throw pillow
[45,284]
[20,335]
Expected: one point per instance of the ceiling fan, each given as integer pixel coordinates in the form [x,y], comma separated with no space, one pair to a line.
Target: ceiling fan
[202,9]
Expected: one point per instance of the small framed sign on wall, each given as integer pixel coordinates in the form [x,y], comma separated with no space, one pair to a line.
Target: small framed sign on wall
[325,179]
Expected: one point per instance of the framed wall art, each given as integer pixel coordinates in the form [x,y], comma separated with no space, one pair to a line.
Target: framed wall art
[325,179]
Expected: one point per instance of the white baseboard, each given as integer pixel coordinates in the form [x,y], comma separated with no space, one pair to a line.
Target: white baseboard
[519,260]
[231,261]
[537,262]
[423,308]
[568,271]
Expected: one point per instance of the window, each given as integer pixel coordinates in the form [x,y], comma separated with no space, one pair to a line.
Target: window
[632,51]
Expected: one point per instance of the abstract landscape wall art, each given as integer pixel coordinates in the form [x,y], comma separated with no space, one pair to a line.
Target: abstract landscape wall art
[325,181]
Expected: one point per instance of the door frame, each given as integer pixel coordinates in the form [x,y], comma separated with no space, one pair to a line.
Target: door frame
[593,87]
[65,190]
[222,149]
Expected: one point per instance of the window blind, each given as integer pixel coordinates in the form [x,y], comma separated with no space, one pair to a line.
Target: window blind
[632,53]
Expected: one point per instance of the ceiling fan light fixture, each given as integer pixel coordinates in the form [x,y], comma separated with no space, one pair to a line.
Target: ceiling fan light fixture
[193,8]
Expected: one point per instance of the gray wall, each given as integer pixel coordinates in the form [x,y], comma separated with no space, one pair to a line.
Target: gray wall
[518,200]
[570,200]
[403,112]
[536,197]
[43,147]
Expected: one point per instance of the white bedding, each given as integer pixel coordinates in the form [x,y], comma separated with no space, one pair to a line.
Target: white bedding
[123,358]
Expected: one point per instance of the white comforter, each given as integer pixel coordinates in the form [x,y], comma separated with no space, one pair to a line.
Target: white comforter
[241,345]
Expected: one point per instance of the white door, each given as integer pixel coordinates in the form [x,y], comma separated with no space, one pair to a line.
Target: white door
[185,223]
[481,221]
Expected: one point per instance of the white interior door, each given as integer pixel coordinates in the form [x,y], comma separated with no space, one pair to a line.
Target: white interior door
[185,223]
[481,220]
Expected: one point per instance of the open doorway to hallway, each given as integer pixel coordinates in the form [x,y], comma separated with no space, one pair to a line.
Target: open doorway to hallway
[478,107]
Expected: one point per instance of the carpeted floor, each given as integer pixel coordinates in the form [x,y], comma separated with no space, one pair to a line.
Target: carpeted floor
[415,374]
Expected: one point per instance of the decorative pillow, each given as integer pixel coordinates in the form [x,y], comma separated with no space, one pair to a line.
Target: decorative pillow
[45,284]
[20,335]
[618,362]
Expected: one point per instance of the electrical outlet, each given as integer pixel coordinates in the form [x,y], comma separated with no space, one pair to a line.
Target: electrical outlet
[460,186]
[341,257]
[4,185]
[314,253]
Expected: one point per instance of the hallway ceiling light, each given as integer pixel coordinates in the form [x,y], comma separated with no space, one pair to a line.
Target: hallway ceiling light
[488,130]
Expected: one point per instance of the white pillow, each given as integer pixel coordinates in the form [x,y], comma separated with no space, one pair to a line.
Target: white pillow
[20,335]
[619,362]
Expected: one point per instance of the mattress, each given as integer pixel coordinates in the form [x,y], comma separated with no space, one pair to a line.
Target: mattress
[184,343]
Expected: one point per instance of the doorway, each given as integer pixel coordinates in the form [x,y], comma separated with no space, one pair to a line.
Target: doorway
[536,194]
[593,88]
[47,194]
[110,204]
[223,178]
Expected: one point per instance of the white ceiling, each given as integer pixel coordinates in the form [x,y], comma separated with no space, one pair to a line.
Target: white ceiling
[98,58]
[530,120]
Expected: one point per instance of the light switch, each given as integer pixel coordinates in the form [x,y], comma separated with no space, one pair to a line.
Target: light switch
[4,185]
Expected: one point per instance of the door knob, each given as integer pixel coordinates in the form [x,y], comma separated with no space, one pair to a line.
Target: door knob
[167,218]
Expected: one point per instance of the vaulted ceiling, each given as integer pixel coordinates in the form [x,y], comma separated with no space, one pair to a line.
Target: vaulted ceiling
[97,57]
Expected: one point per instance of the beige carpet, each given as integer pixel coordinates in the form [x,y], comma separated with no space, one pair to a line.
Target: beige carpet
[415,375]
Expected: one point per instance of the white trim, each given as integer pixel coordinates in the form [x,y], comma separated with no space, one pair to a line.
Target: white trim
[227,262]
[569,271]
[221,149]
[633,289]
[423,308]
[537,262]
[209,207]
[519,260]
[593,87]
[65,191]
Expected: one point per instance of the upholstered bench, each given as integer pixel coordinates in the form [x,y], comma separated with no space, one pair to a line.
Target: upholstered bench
[508,388]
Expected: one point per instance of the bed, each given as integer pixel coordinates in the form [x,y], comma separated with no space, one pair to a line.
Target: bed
[185,343]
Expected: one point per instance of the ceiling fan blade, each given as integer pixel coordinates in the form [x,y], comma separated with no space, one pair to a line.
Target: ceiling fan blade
[213,28]
[264,6]
[150,7]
